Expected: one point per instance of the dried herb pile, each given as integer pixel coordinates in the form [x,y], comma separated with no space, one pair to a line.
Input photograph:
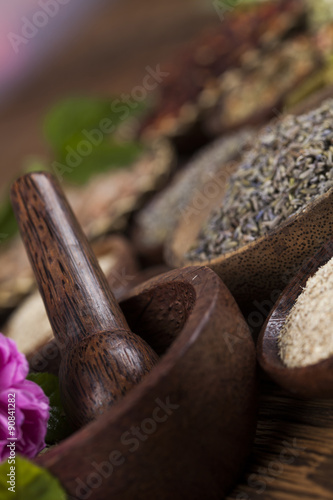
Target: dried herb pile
[207,81]
[307,336]
[158,219]
[289,165]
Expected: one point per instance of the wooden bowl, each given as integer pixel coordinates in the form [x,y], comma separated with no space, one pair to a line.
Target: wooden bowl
[185,431]
[261,269]
[311,381]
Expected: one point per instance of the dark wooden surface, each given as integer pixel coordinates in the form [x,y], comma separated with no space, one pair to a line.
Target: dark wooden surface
[292,457]
[196,450]
[101,357]
[311,381]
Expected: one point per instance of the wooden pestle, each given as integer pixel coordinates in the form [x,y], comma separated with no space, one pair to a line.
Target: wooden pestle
[101,359]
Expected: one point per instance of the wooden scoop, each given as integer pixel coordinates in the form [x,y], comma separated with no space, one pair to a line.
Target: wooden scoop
[310,381]
[101,358]
[258,269]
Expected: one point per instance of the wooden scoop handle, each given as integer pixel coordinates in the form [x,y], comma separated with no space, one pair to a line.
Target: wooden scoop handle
[101,357]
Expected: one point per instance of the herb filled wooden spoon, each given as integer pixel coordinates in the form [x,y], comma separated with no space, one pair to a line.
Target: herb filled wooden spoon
[158,219]
[309,380]
[273,213]
[256,271]
[101,358]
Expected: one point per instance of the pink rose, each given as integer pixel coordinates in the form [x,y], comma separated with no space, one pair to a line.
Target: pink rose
[25,399]
[13,364]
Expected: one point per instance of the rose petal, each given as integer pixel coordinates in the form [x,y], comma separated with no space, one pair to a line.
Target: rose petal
[31,417]
[13,364]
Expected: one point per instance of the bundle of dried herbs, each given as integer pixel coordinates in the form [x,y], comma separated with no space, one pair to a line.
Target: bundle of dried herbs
[199,76]
[265,81]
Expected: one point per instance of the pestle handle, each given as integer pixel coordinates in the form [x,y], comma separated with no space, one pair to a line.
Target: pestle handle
[76,294]
[101,359]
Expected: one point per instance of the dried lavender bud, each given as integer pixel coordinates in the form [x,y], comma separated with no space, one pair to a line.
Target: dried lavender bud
[158,219]
[289,165]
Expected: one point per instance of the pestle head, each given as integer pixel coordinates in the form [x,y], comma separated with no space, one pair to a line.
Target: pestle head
[98,371]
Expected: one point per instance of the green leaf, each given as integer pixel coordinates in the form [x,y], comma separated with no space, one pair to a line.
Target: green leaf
[31,482]
[70,117]
[58,427]
[79,142]
[34,164]
[102,158]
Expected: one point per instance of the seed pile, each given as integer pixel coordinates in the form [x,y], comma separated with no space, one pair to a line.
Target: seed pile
[158,218]
[307,336]
[289,165]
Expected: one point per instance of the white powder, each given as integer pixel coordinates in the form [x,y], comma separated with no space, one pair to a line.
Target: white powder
[307,336]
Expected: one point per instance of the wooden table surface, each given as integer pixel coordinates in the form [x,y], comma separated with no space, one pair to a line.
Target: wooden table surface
[293,451]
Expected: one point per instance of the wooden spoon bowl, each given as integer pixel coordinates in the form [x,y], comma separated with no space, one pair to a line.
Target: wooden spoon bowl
[185,430]
[257,269]
[311,381]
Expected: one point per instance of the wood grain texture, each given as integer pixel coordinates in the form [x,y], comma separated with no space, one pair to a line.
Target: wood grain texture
[258,269]
[97,368]
[185,431]
[47,355]
[292,457]
[66,270]
[310,381]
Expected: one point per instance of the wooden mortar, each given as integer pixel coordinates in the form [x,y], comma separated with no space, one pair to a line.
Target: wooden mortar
[186,430]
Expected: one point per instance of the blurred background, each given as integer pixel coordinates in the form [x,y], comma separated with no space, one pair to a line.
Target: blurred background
[97,49]
[89,48]
[116,98]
